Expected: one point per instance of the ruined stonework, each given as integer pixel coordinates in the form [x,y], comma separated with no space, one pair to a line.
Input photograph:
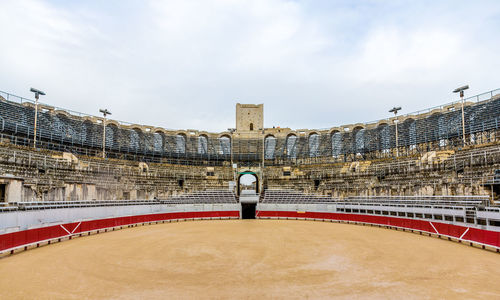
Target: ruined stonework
[144,162]
[249,117]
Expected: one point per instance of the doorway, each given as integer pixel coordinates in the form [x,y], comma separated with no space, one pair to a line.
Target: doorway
[248,181]
[248,210]
[2,192]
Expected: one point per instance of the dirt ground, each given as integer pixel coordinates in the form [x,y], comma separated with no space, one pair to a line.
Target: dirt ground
[252,259]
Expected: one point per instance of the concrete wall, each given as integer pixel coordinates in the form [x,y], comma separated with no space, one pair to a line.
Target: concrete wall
[22,220]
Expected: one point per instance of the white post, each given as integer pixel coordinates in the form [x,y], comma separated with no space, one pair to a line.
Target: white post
[36,117]
[397,144]
[463,117]
[263,157]
[104,137]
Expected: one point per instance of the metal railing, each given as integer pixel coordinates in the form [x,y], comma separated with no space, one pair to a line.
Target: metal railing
[475,98]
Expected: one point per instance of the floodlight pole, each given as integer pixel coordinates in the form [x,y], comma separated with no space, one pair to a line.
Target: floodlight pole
[37,95]
[232,130]
[104,112]
[395,111]
[36,119]
[461,91]
[263,158]
[463,116]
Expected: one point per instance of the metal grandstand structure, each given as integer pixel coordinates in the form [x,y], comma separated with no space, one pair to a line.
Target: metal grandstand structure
[437,129]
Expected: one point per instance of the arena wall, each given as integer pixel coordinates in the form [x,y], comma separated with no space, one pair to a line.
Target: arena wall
[25,236]
[481,235]
[22,229]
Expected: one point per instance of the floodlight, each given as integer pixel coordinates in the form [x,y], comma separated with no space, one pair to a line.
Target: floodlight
[37,95]
[105,112]
[37,92]
[395,110]
[461,89]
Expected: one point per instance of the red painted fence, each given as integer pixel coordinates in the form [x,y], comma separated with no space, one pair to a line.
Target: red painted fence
[481,236]
[32,236]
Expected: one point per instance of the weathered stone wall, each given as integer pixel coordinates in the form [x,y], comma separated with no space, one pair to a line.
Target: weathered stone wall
[249,117]
[465,172]
[46,175]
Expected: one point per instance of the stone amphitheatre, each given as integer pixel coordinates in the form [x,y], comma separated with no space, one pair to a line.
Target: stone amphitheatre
[432,176]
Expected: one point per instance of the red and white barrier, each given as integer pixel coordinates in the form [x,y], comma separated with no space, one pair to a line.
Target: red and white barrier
[460,233]
[21,239]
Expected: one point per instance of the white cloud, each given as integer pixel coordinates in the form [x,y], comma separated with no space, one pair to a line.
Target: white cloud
[183,64]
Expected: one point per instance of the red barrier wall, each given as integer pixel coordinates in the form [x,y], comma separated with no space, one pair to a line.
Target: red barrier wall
[486,237]
[31,236]
[26,237]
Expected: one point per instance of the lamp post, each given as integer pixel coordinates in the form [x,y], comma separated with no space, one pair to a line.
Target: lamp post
[232,130]
[395,111]
[263,158]
[104,112]
[461,91]
[37,95]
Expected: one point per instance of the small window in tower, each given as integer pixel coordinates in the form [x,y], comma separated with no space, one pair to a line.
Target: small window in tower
[251,126]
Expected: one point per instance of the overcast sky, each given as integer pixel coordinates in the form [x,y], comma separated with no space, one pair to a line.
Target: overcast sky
[184,64]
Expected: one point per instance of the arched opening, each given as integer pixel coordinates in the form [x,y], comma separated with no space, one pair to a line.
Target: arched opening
[269,147]
[291,146]
[180,143]
[248,189]
[336,138]
[111,136]
[135,136]
[251,126]
[313,145]
[202,144]
[409,133]
[89,134]
[359,140]
[225,145]
[248,181]
[384,137]
[158,141]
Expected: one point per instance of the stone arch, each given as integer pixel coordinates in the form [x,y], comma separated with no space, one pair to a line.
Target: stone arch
[88,133]
[59,124]
[115,123]
[359,140]
[291,145]
[202,147]
[384,137]
[135,139]
[180,143]
[269,146]
[62,113]
[241,174]
[336,142]
[313,142]
[409,133]
[111,135]
[225,144]
[158,141]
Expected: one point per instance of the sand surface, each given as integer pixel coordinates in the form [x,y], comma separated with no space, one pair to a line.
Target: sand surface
[252,259]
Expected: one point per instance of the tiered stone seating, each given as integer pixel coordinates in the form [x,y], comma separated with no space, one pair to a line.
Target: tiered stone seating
[291,197]
[209,196]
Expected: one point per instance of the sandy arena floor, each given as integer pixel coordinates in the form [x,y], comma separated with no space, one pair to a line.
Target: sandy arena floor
[250,259]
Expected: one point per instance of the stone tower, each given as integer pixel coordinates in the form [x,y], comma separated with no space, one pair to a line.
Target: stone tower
[249,117]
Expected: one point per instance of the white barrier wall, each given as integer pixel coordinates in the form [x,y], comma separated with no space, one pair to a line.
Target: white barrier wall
[336,208]
[23,220]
